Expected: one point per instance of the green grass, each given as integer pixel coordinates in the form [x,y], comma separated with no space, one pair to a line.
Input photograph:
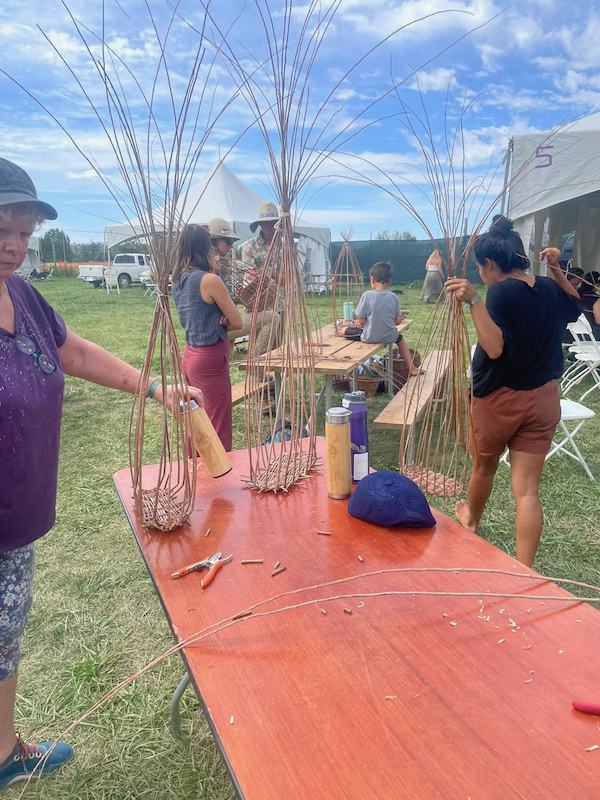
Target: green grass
[96,618]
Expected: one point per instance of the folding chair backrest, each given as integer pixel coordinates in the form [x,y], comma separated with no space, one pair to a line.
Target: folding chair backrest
[111,280]
[583,335]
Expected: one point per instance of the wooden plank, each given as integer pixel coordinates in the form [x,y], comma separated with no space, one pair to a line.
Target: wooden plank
[238,392]
[406,406]
[308,691]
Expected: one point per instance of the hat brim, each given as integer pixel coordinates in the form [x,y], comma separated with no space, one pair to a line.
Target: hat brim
[230,238]
[254,225]
[13,198]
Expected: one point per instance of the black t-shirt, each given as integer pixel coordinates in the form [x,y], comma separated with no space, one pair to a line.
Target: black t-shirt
[532,320]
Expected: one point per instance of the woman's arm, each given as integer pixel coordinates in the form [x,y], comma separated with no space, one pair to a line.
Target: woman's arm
[596,311]
[551,254]
[212,289]
[83,359]
[489,335]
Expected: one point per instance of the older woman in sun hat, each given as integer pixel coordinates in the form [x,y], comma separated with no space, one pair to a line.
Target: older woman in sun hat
[37,350]
[222,239]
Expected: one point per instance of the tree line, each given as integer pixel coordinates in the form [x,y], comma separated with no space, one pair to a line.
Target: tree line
[56,245]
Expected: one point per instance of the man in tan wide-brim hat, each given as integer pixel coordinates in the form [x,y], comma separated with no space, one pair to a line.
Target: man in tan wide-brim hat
[223,238]
[254,251]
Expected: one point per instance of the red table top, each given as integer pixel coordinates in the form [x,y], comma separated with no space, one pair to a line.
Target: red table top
[394,700]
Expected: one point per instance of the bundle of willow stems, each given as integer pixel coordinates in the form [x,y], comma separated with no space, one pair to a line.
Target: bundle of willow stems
[299,136]
[437,457]
[156,163]
[347,281]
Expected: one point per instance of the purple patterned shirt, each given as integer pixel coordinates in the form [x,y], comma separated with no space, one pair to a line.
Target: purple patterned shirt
[30,414]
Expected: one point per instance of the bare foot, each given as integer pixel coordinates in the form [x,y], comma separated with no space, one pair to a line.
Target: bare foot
[414,371]
[463,515]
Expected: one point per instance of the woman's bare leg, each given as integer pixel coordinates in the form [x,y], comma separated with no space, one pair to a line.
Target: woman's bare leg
[525,473]
[480,488]
[7,709]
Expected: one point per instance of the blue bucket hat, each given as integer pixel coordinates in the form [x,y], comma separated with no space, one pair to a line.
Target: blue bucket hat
[387,498]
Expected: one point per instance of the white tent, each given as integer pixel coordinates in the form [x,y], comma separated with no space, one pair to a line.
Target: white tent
[32,259]
[555,189]
[220,194]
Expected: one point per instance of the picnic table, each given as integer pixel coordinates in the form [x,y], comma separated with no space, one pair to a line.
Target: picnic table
[409,696]
[340,357]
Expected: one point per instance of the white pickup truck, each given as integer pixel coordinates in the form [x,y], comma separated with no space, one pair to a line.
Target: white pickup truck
[128,266]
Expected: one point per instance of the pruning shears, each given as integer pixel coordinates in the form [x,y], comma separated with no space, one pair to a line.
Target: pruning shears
[213,564]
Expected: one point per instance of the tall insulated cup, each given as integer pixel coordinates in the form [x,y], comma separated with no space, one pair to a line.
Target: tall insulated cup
[337,447]
[356,403]
[207,442]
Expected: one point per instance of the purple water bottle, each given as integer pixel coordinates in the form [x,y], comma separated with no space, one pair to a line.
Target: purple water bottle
[356,403]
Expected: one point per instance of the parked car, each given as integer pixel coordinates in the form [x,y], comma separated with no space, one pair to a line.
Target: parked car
[566,249]
[128,266]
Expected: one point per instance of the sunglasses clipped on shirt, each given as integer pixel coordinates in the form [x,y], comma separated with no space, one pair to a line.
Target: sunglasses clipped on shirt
[28,347]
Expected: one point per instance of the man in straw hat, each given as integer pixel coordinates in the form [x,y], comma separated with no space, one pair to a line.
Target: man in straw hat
[222,239]
[254,251]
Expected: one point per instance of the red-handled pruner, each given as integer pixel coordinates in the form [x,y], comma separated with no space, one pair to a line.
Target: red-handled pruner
[215,562]
[206,563]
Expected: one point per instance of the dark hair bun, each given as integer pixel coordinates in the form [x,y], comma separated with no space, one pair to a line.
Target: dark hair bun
[502,227]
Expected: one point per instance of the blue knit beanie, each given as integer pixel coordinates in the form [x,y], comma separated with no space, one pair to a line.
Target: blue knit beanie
[387,498]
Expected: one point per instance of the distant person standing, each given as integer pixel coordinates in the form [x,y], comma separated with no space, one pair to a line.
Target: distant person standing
[434,276]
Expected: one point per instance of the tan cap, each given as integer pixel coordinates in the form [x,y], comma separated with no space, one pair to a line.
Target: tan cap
[220,229]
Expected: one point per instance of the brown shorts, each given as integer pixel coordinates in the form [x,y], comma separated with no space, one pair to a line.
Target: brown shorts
[520,420]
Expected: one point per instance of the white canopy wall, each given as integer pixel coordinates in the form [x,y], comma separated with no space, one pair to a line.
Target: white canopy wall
[555,189]
[220,194]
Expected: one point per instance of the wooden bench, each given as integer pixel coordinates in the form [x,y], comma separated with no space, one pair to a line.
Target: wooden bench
[405,408]
[238,392]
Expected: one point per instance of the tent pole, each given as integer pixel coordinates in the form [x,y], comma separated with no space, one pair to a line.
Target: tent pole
[506,161]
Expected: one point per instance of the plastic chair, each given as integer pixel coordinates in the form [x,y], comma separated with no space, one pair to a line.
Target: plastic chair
[111,280]
[587,358]
[570,411]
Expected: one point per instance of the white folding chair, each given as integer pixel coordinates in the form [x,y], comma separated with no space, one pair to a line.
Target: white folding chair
[111,280]
[587,358]
[570,411]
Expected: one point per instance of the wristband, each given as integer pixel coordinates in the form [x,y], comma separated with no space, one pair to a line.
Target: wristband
[152,389]
[476,299]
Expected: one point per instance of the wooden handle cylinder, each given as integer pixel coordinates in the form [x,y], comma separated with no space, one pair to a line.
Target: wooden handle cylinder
[337,442]
[208,444]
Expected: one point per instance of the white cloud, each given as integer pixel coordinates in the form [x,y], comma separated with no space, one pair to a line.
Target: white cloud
[434,80]
[87,174]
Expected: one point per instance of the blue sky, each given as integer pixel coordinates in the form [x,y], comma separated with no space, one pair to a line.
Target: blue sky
[534,67]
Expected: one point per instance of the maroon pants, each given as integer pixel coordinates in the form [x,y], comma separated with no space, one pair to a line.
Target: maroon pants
[207,368]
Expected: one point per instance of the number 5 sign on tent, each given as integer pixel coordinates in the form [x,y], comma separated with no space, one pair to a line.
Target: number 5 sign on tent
[545,158]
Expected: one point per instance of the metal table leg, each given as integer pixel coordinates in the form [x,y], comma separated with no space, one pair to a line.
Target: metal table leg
[355,380]
[391,370]
[328,391]
[175,701]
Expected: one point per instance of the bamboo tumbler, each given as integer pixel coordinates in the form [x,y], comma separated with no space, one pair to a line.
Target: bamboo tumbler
[207,442]
[337,441]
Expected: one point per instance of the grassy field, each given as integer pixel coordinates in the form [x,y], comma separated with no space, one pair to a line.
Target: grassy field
[96,618]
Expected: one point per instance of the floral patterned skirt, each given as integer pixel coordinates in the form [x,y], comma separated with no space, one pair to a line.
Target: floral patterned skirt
[16,576]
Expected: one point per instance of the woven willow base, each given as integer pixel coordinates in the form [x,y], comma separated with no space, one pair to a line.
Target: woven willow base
[283,472]
[160,510]
[433,482]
